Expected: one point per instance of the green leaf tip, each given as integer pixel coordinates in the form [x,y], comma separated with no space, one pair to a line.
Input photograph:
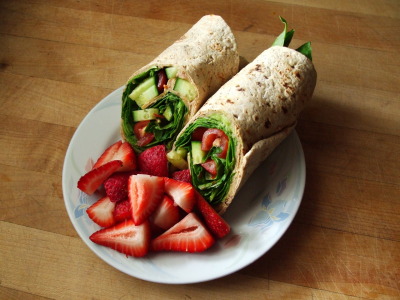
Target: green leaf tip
[306,50]
[285,38]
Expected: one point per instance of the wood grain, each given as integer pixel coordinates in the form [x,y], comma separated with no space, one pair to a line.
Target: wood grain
[59,58]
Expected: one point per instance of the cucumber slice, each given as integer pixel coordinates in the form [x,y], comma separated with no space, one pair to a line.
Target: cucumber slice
[145,114]
[171,72]
[178,158]
[185,89]
[198,155]
[145,91]
[168,113]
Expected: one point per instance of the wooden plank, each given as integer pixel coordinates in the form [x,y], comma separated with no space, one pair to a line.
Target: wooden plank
[350,204]
[383,8]
[37,147]
[339,104]
[11,294]
[33,260]
[353,153]
[112,32]
[56,102]
[68,63]
[347,28]
[37,193]
[333,260]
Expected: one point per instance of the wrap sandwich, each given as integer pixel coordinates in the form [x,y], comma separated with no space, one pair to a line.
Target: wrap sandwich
[243,122]
[160,97]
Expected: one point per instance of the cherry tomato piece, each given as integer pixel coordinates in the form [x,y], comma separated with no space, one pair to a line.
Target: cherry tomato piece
[214,137]
[162,80]
[197,134]
[143,137]
[211,167]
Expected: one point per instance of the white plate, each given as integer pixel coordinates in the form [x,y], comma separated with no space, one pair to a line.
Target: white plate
[259,214]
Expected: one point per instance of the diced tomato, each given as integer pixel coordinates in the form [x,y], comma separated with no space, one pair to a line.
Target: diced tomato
[210,166]
[197,134]
[217,138]
[139,129]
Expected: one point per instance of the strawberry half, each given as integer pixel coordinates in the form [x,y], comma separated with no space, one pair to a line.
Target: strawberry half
[166,215]
[181,192]
[107,155]
[145,194]
[126,154]
[215,223]
[125,237]
[118,151]
[92,180]
[101,212]
[122,210]
[189,235]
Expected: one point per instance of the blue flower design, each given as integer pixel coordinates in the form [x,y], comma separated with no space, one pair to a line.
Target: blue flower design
[82,206]
[271,211]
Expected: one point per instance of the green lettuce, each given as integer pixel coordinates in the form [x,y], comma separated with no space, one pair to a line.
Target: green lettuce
[285,38]
[164,133]
[212,189]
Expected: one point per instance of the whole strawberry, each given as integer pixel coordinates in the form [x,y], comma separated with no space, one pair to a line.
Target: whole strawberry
[153,161]
[116,186]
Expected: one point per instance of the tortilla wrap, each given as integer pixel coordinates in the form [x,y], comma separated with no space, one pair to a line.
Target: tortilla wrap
[206,56]
[260,106]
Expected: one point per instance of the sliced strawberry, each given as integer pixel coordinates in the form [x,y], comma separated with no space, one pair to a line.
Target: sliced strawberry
[116,186]
[215,223]
[101,212]
[183,175]
[145,194]
[122,210]
[92,180]
[153,161]
[126,154]
[181,192]
[107,155]
[166,215]
[118,151]
[189,235]
[125,237]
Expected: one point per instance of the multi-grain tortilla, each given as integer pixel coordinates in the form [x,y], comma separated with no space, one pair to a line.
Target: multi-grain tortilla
[206,56]
[257,109]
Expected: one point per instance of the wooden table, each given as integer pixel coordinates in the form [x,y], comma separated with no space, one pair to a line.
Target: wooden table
[59,58]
